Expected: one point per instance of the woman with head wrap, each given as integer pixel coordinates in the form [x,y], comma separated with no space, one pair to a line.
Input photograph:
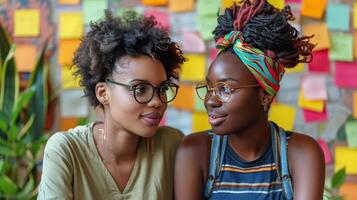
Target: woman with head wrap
[245,156]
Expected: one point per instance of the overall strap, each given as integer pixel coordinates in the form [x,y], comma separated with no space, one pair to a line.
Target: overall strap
[218,147]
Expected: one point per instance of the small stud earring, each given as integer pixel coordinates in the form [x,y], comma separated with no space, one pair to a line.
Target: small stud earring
[265,107]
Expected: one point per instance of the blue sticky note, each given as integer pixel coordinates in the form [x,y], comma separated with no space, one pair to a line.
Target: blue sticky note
[338,17]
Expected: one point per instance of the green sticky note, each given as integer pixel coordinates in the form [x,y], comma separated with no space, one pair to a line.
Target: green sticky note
[94,10]
[206,24]
[207,7]
[199,104]
[351,132]
[341,47]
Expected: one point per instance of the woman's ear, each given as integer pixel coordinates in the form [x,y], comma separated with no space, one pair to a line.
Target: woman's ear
[101,92]
[266,99]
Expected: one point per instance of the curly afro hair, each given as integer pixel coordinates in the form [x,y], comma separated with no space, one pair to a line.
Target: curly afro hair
[112,38]
[267,29]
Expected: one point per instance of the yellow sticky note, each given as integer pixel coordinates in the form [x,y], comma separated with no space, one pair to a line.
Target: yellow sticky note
[66,51]
[25,57]
[181,5]
[355,15]
[283,115]
[69,81]
[194,69]
[321,35]
[297,69]
[27,23]
[184,98]
[355,105]
[154,2]
[200,122]
[313,8]
[314,105]
[229,3]
[277,3]
[70,25]
[346,157]
[69,2]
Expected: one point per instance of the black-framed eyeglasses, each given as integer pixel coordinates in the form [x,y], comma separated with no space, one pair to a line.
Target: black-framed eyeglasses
[144,92]
[222,90]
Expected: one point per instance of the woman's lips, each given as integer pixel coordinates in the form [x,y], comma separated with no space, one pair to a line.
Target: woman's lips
[152,119]
[216,120]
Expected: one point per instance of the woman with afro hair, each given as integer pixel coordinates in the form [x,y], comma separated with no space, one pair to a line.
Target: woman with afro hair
[245,156]
[127,66]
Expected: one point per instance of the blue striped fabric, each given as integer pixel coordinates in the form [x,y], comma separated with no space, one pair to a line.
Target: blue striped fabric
[255,180]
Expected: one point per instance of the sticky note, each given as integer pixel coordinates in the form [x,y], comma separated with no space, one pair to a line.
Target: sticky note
[69,2]
[69,81]
[312,116]
[348,191]
[300,67]
[194,68]
[313,105]
[325,150]
[184,98]
[313,8]
[314,86]
[351,133]
[229,3]
[200,122]
[355,15]
[283,115]
[320,62]
[25,57]
[277,3]
[27,23]
[341,47]
[292,1]
[66,50]
[338,17]
[70,25]
[160,16]
[67,123]
[346,157]
[321,36]
[72,103]
[199,103]
[206,24]
[94,10]
[192,42]
[345,74]
[180,119]
[354,104]
[355,44]
[154,2]
[181,5]
[207,7]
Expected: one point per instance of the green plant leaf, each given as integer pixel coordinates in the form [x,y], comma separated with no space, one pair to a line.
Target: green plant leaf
[338,178]
[38,103]
[23,100]
[7,186]
[6,151]
[5,42]
[2,164]
[26,128]
[27,189]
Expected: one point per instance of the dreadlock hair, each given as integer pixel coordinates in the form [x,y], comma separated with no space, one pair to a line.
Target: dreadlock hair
[112,38]
[266,28]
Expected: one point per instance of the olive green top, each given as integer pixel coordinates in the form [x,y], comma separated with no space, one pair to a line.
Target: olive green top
[73,169]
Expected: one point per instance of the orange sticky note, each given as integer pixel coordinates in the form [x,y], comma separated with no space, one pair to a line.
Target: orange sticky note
[194,69]
[283,115]
[66,51]
[68,123]
[355,44]
[25,57]
[27,23]
[355,105]
[70,25]
[200,122]
[69,81]
[154,2]
[181,5]
[184,98]
[69,2]
[313,8]
[321,35]
[348,191]
[277,3]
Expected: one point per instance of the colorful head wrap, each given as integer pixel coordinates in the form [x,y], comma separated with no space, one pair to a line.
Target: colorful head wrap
[265,70]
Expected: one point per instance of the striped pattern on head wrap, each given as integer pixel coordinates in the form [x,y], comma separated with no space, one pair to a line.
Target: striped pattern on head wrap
[265,70]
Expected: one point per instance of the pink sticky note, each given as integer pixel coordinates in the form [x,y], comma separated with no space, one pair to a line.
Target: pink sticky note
[346,74]
[324,148]
[162,18]
[320,62]
[192,42]
[314,86]
[312,116]
[213,54]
